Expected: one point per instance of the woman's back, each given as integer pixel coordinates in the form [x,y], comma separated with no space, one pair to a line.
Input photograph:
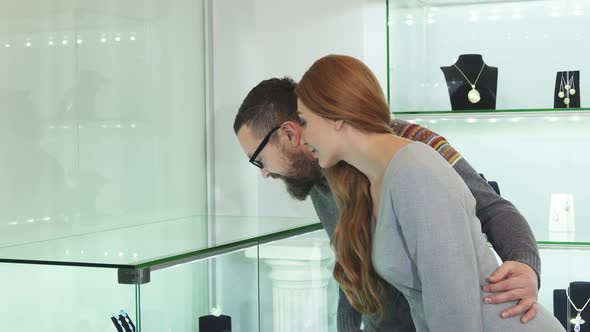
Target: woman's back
[428,244]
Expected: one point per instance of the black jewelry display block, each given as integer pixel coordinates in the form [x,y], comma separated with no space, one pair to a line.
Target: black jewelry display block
[471,65]
[563,77]
[579,292]
[212,323]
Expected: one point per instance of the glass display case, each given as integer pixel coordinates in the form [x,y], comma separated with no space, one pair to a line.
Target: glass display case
[168,274]
[528,42]
[530,141]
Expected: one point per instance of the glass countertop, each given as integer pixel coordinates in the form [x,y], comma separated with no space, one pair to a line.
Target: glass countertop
[145,245]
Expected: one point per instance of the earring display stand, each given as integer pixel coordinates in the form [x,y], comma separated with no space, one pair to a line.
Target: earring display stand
[567,89]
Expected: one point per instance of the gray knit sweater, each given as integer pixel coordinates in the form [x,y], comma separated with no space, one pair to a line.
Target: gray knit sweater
[427,243]
[505,227]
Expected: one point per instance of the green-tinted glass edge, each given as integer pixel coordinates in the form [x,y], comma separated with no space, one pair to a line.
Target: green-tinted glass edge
[501,111]
[387,52]
[565,244]
[229,246]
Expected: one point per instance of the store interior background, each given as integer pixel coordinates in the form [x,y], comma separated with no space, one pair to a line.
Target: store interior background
[115,114]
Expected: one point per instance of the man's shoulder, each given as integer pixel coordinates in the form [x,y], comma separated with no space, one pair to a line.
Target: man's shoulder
[418,133]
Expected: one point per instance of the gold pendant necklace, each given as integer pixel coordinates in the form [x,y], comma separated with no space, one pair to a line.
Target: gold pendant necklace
[473,95]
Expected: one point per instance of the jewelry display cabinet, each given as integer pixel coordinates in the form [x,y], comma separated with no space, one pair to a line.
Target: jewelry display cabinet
[266,274]
[522,46]
[531,140]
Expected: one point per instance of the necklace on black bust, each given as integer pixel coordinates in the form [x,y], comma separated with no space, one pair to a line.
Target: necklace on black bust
[473,95]
[578,320]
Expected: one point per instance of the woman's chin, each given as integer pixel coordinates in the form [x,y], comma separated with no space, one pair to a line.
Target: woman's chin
[325,163]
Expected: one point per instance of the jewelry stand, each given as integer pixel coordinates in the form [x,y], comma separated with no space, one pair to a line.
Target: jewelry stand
[211,323]
[469,73]
[567,89]
[560,306]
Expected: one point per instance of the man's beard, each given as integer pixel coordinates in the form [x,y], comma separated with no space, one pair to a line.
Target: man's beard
[304,174]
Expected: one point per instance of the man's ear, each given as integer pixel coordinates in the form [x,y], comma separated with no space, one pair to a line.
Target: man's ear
[292,132]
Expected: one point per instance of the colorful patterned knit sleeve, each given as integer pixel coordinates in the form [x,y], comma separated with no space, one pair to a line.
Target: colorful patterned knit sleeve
[416,132]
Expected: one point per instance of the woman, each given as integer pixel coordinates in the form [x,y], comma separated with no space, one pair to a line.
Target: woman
[406,219]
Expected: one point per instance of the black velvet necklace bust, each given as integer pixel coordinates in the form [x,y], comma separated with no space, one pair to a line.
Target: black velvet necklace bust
[459,87]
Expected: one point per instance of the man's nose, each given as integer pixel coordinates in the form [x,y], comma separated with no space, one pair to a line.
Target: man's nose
[265,173]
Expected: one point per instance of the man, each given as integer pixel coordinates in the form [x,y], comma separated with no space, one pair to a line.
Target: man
[269,132]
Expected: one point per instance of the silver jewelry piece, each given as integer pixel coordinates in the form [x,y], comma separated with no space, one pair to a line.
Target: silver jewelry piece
[578,320]
[568,85]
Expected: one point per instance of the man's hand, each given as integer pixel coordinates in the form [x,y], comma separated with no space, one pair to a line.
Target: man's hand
[514,281]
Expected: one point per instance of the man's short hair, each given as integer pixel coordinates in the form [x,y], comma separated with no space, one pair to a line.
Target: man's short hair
[270,103]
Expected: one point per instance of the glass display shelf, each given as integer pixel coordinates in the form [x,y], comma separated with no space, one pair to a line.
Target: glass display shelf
[535,155]
[157,245]
[519,38]
[497,113]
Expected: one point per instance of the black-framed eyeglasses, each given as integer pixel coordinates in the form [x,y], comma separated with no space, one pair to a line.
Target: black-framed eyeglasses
[253,160]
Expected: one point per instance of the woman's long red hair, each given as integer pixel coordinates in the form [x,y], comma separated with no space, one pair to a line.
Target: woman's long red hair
[343,88]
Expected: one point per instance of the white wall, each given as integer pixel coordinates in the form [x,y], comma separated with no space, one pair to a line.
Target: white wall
[256,40]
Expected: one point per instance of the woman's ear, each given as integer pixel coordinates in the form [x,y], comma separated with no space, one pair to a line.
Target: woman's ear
[338,124]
